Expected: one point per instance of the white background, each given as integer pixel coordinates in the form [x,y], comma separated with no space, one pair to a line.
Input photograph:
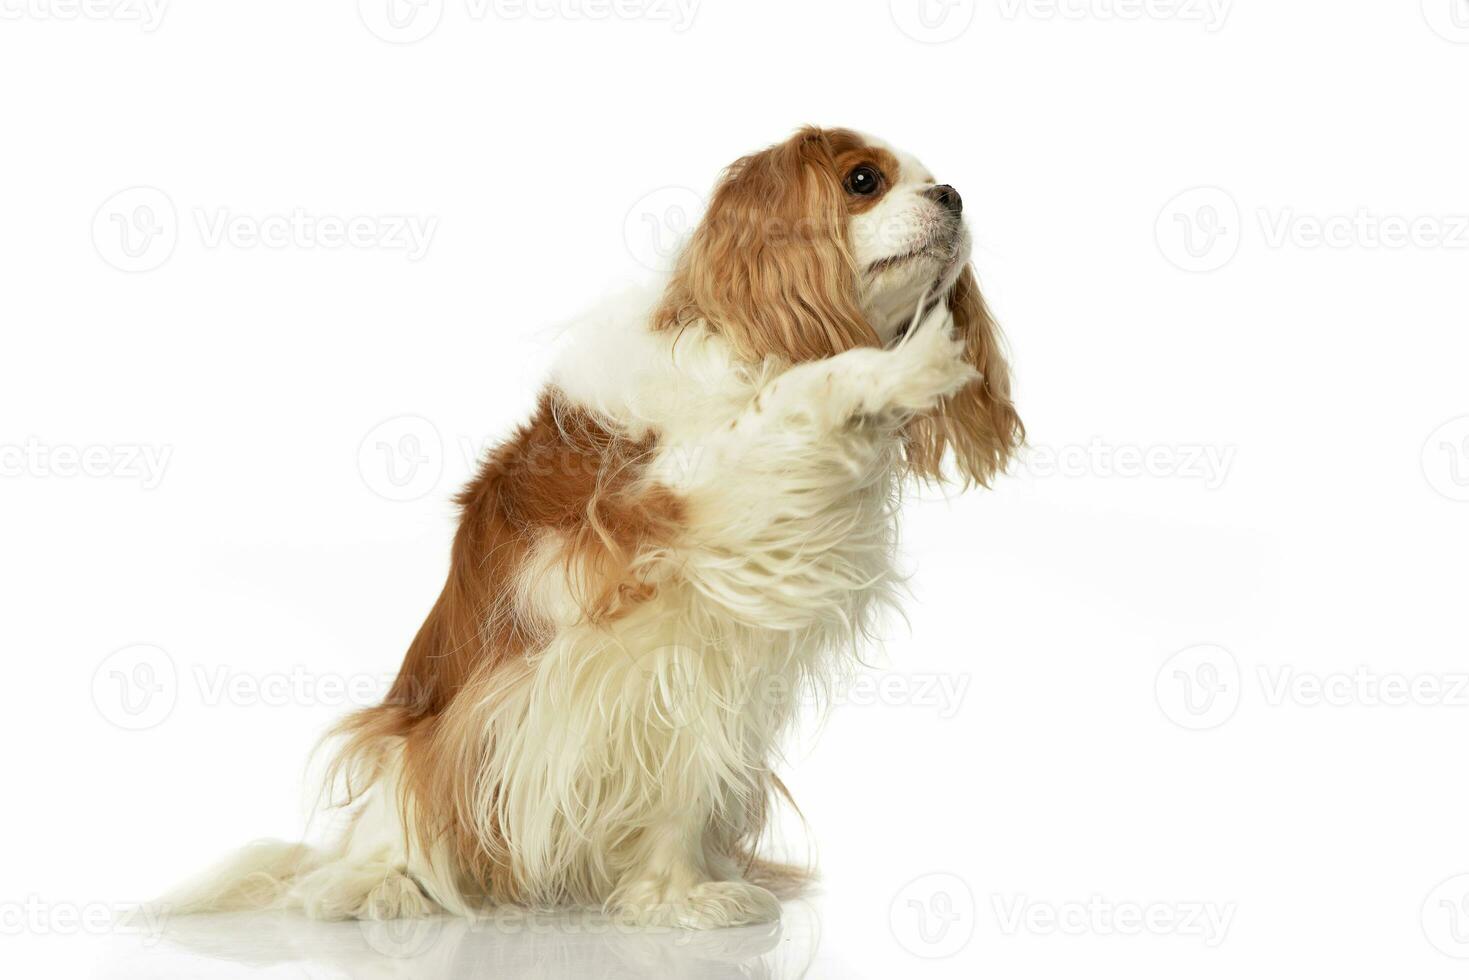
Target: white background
[1247,480]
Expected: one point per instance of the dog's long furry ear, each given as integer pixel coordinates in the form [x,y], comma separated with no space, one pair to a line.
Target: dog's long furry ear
[979,423]
[769,267]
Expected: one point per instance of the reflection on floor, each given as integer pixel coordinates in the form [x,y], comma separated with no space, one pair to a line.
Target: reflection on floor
[509,944]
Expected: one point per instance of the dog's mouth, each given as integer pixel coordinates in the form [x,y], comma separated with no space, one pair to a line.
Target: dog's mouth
[949,248]
[928,250]
[938,289]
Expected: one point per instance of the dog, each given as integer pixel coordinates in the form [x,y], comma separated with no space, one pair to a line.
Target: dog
[697,521]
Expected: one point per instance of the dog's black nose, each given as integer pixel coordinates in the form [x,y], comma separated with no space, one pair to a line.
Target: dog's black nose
[948,197]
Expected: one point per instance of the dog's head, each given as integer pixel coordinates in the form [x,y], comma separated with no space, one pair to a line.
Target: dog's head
[833,240]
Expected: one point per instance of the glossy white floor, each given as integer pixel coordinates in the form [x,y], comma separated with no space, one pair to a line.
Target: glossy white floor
[544,947]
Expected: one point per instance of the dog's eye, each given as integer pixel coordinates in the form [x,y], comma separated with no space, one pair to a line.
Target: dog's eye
[863,181]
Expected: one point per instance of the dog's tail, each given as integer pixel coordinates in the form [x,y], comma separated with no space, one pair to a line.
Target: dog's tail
[273,874]
[258,876]
[785,879]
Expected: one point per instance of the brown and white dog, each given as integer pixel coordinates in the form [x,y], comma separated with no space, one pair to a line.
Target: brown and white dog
[696,523]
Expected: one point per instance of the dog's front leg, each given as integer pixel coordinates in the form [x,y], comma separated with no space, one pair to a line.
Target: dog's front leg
[789,541]
[790,506]
[677,882]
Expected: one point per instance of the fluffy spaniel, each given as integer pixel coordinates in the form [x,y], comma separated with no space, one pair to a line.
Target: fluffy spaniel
[696,524]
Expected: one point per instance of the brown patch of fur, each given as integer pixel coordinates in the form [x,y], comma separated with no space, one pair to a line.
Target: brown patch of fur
[566,474]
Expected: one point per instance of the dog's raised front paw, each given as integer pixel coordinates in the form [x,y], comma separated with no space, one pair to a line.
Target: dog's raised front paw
[929,363]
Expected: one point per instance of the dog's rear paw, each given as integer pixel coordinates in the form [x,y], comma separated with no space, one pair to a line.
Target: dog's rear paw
[340,891]
[710,905]
[717,904]
[397,896]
